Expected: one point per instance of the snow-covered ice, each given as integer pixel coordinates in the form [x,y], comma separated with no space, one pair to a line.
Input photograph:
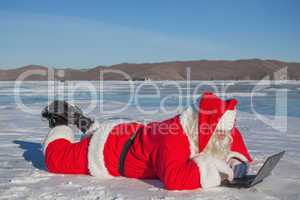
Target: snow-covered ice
[23,174]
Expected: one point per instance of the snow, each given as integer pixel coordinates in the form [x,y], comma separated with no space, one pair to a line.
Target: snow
[23,174]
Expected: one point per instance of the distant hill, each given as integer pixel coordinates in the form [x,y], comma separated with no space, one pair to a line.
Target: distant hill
[251,69]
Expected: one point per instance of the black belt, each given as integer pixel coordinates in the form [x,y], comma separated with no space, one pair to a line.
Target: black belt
[125,150]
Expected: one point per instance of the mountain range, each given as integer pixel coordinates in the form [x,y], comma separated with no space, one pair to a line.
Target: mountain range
[247,69]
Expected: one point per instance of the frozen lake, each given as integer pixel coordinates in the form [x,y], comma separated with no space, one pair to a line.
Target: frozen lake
[269,118]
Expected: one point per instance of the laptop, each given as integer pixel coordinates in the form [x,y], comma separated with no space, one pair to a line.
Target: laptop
[251,180]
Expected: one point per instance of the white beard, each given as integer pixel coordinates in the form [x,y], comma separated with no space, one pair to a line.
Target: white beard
[219,148]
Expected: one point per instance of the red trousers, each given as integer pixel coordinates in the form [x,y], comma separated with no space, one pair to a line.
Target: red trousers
[65,157]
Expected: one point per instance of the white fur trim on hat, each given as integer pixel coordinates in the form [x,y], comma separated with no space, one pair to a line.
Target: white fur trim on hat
[227,120]
[59,132]
[189,123]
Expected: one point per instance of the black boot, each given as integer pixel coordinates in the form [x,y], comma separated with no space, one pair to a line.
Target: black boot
[63,113]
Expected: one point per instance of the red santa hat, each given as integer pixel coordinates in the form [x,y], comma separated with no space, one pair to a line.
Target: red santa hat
[217,114]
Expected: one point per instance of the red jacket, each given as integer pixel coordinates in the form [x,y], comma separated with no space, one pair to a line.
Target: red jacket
[165,150]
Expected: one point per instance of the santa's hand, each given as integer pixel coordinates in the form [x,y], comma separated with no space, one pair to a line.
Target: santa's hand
[234,162]
[237,156]
[240,168]
[212,169]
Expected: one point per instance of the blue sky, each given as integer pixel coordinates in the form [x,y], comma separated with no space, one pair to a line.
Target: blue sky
[82,34]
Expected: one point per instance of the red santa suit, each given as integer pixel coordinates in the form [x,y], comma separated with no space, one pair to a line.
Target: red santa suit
[172,150]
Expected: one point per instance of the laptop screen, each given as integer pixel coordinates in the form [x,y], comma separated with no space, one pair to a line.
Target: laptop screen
[267,168]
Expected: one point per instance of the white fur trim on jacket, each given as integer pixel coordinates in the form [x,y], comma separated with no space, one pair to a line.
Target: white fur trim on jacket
[189,123]
[210,169]
[96,163]
[59,132]
[227,120]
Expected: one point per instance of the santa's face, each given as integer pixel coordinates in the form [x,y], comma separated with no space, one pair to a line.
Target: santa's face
[222,134]
[219,144]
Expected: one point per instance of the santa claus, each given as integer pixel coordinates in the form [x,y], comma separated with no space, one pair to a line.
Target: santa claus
[195,149]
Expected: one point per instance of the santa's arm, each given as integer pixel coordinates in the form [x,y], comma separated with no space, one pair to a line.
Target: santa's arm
[177,173]
[238,148]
